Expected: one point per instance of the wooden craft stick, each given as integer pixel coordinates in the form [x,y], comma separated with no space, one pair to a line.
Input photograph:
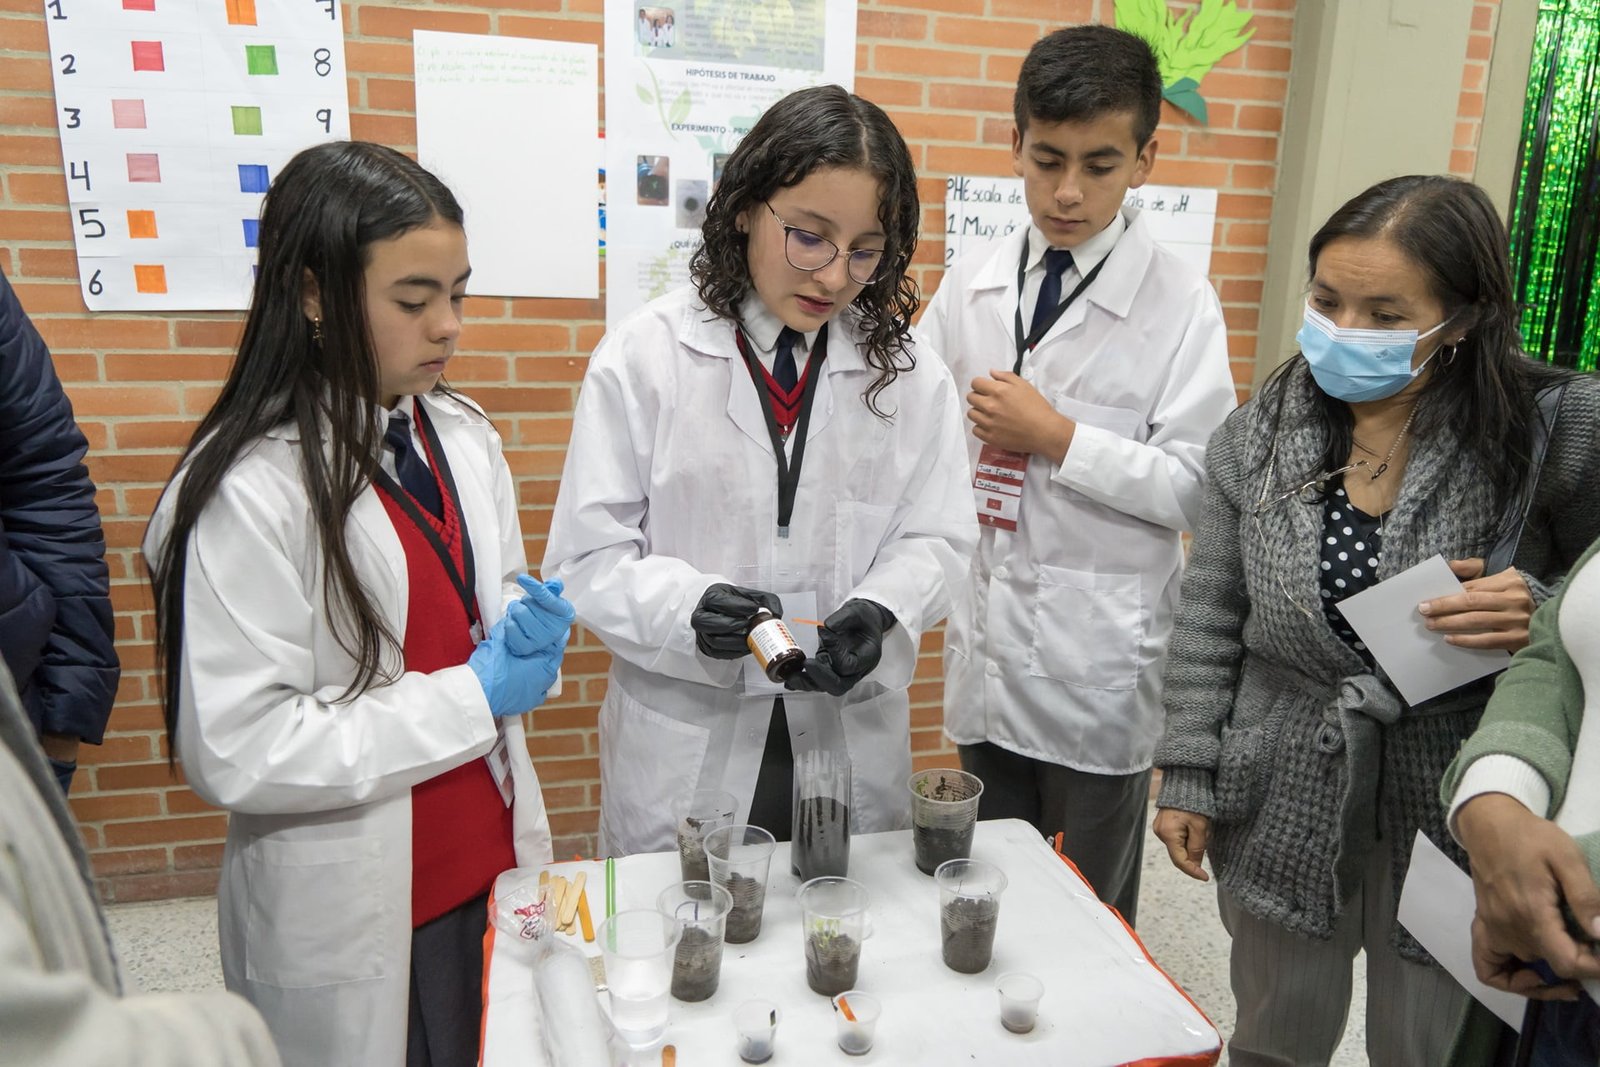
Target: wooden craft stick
[584,919]
[569,903]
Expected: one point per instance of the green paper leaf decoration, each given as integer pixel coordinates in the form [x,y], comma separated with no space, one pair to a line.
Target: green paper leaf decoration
[1210,32]
[1188,47]
[1182,95]
[646,97]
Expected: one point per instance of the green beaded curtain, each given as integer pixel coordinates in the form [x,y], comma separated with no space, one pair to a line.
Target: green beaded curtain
[1555,216]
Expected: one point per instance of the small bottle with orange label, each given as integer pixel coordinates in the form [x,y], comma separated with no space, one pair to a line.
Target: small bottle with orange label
[773,646]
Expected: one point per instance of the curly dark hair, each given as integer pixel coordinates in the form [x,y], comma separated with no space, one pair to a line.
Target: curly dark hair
[824,126]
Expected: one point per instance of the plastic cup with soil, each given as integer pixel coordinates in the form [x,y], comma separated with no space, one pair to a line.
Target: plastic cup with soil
[701,909]
[700,813]
[740,857]
[833,923]
[969,912]
[944,812]
[820,829]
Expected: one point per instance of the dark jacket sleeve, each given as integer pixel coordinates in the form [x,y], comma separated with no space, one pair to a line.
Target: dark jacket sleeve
[55,606]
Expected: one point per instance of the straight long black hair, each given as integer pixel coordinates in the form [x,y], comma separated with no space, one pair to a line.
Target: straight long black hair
[1450,232]
[318,221]
[810,129]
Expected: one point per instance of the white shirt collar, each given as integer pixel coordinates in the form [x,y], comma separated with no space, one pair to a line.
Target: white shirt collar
[1087,255]
[761,326]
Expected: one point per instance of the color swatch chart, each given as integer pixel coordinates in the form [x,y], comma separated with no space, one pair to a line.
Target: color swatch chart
[175,115]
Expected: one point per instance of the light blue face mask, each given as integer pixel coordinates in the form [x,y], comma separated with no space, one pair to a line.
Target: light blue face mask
[1359,365]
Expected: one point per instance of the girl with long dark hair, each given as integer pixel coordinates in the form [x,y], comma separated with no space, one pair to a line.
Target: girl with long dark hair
[770,437]
[1410,425]
[347,633]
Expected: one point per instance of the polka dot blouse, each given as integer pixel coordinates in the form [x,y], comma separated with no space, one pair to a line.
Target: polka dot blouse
[1351,545]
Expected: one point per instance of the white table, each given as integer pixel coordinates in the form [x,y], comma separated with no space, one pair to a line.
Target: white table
[1105,1002]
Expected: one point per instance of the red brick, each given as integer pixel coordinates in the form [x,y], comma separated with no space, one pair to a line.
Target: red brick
[583,31]
[170,830]
[401,22]
[894,25]
[986,33]
[128,861]
[130,889]
[927,62]
[135,776]
[891,92]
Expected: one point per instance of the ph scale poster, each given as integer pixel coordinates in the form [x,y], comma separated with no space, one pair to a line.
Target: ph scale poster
[175,115]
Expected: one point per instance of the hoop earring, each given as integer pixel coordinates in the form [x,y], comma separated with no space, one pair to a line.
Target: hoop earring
[1449,357]
[316,331]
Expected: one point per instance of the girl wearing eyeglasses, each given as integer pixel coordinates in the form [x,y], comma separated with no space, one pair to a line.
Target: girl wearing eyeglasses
[770,437]
[1410,425]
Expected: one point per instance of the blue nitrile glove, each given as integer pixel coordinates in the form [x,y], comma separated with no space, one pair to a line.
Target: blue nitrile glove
[514,684]
[541,616]
[849,646]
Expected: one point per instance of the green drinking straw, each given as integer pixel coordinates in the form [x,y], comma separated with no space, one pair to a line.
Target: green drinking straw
[611,887]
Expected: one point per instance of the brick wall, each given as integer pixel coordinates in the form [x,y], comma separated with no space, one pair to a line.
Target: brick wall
[943,68]
[1474,84]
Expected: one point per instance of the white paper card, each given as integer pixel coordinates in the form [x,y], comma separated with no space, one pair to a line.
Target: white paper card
[795,606]
[1419,662]
[509,124]
[1437,905]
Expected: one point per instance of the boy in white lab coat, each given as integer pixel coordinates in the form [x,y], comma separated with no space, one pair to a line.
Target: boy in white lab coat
[1097,366]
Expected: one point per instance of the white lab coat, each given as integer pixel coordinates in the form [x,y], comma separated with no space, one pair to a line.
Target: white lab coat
[670,486]
[315,900]
[1056,651]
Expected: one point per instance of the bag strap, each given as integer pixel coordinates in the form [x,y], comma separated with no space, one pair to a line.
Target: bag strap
[1547,405]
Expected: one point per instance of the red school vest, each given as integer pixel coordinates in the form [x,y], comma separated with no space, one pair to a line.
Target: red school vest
[461,829]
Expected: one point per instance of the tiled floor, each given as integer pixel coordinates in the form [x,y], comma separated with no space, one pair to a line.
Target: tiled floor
[172,945]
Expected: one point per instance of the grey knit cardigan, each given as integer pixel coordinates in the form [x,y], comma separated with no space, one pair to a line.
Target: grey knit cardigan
[1304,759]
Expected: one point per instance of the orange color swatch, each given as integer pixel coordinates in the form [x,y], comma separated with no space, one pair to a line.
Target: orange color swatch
[142,224]
[150,277]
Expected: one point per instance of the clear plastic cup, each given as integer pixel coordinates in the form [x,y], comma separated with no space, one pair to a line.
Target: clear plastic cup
[855,1015]
[697,815]
[639,946]
[944,812]
[834,922]
[740,857]
[969,912]
[757,1024]
[1019,1001]
[701,908]
[820,827]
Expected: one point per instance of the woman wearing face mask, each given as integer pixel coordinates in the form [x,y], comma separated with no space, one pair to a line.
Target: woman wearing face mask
[1408,426]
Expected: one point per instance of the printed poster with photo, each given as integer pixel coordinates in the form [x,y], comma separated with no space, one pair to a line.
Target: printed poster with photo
[684,83]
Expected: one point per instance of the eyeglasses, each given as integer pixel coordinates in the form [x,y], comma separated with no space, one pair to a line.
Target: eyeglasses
[808,251]
[1305,492]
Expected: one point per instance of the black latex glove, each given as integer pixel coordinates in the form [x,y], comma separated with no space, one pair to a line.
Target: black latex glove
[723,615]
[849,646]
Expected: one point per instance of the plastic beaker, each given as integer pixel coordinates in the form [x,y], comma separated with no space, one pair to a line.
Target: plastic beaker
[944,810]
[757,1024]
[740,857]
[1019,1001]
[638,946]
[855,1014]
[701,908]
[833,922]
[969,911]
[697,815]
[820,830]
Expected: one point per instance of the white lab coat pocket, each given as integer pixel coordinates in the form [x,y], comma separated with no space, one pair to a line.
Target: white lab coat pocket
[647,761]
[1088,628]
[296,939]
[861,531]
[1124,422]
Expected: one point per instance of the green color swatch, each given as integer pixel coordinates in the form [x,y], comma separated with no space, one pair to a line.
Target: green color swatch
[261,58]
[247,121]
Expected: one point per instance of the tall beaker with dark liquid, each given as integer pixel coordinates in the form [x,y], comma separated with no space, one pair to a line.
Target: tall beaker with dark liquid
[820,839]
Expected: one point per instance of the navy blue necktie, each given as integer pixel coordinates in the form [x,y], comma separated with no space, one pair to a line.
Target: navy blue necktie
[410,470]
[784,371]
[1056,262]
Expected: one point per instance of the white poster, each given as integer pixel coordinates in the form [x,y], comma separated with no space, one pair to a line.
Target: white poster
[175,115]
[683,84]
[978,210]
[509,124]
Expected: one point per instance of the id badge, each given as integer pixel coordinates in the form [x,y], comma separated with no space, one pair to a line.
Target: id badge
[997,486]
[499,761]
